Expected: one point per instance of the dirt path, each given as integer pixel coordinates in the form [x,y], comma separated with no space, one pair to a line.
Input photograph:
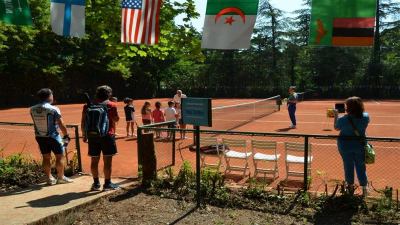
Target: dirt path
[147,209]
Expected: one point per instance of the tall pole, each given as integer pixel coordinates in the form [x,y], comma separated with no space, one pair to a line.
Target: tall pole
[377,49]
[197,132]
[374,68]
[377,38]
[306,158]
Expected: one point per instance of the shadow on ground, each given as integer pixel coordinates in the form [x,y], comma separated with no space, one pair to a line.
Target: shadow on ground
[286,129]
[340,210]
[129,194]
[57,200]
[183,216]
[35,187]
[295,184]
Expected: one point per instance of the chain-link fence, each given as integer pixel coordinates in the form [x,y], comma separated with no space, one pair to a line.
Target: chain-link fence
[20,138]
[291,161]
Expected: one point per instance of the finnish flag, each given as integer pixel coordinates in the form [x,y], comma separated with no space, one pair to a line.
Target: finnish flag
[68,17]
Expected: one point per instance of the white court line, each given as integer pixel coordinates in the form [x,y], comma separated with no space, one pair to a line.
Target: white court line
[325,103]
[317,144]
[376,102]
[285,121]
[375,146]
[322,114]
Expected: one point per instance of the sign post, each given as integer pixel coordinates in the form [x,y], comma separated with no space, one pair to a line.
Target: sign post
[197,134]
[197,111]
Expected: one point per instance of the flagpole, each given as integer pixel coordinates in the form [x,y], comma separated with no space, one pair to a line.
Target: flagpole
[377,41]
[376,50]
[19,6]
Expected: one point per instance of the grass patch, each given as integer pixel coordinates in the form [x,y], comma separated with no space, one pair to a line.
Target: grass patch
[19,171]
[339,206]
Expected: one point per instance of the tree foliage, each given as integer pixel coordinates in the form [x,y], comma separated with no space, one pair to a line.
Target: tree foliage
[34,57]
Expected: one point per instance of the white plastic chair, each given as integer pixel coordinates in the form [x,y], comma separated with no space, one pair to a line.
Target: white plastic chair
[204,141]
[236,150]
[265,152]
[295,155]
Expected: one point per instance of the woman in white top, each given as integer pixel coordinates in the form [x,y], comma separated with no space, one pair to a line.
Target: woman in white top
[178,96]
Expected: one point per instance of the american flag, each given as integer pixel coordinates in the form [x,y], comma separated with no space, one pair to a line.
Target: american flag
[140,21]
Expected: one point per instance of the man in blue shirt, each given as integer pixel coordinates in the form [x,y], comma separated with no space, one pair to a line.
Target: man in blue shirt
[47,120]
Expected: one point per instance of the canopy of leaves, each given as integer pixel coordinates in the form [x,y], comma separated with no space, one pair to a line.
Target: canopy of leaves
[34,57]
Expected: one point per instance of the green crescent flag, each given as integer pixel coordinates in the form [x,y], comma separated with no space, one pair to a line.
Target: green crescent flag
[229,24]
[342,22]
[15,12]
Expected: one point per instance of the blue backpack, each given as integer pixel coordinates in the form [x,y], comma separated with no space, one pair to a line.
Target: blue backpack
[97,122]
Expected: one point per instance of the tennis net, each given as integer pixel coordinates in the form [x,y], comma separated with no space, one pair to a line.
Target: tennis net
[237,115]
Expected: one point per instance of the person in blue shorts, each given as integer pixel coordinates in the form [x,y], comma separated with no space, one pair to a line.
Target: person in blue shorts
[47,121]
[291,105]
[350,147]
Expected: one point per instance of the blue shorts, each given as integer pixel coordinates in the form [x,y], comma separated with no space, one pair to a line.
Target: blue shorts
[105,145]
[48,145]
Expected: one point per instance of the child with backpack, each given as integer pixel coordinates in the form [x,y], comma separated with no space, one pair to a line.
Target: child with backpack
[129,117]
[98,128]
[158,117]
[146,113]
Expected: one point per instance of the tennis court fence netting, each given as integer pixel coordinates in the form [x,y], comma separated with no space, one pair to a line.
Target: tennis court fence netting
[321,172]
[20,138]
[227,117]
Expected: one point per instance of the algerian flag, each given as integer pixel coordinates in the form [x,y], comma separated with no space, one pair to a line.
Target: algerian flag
[229,24]
[15,12]
[342,22]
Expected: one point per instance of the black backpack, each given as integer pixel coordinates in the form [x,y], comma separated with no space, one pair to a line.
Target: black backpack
[96,120]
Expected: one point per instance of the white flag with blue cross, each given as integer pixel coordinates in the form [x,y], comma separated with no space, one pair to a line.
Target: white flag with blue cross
[68,17]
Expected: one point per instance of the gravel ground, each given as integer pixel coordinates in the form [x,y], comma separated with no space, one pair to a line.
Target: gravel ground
[149,209]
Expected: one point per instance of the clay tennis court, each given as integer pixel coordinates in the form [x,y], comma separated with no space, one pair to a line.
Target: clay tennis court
[311,116]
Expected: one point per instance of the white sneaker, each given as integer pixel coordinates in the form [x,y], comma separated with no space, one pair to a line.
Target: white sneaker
[51,181]
[64,180]
[292,126]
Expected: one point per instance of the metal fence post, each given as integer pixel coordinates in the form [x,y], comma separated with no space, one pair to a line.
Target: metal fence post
[173,147]
[306,163]
[197,133]
[139,150]
[78,147]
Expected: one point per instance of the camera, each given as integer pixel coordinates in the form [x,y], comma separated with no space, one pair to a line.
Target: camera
[340,107]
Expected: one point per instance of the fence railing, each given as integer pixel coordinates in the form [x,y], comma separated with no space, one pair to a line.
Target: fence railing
[20,137]
[322,164]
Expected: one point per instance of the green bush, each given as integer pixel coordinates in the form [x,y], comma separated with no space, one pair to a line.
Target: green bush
[340,203]
[212,187]
[19,170]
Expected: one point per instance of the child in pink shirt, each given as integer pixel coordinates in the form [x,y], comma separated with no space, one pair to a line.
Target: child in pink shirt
[158,117]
